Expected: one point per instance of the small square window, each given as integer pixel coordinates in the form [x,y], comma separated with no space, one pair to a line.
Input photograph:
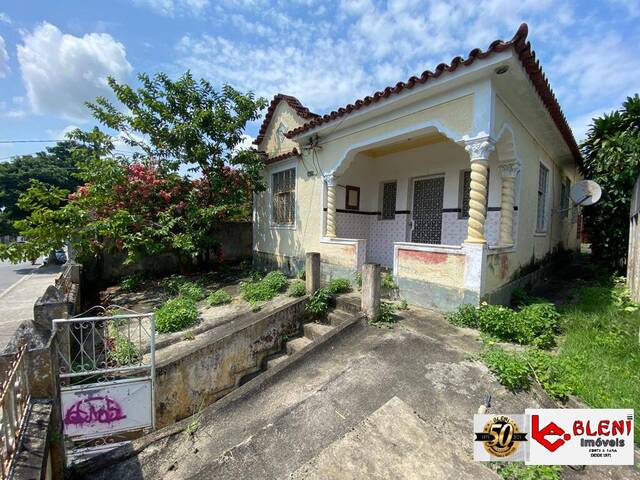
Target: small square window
[389,191]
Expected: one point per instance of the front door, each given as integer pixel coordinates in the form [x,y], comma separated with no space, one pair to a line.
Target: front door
[427,210]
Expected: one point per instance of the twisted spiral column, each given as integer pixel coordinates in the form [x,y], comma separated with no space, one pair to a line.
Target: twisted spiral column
[479,152]
[508,199]
[331,206]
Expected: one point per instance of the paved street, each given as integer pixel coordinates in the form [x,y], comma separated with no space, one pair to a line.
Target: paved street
[20,286]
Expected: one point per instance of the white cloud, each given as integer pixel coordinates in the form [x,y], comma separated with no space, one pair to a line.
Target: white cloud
[4,18]
[171,8]
[60,71]
[61,134]
[4,59]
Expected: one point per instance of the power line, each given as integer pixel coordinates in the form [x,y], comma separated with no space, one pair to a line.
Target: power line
[31,141]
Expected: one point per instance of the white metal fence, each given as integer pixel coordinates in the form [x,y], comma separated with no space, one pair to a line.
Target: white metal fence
[14,405]
[107,373]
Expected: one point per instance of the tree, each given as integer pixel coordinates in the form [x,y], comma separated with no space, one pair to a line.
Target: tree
[54,166]
[146,204]
[612,158]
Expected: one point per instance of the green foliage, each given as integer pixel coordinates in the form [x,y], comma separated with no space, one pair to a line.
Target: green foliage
[519,471]
[511,368]
[553,372]
[175,315]
[319,302]
[54,167]
[386,315]
[302,274]
[123,351]
[386,282]
[611,154]
[339,285]
[297,288]
[147,204]
[256,291]
[535,324]
[171,285]
[218,297]
[520,297]
[358,279]
[191,291]
[133,282]
[465,316]
[403,305]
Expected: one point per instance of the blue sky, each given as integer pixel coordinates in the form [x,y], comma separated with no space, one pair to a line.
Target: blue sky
[56,55]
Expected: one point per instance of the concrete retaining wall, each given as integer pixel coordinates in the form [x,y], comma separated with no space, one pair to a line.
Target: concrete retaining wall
[191,375]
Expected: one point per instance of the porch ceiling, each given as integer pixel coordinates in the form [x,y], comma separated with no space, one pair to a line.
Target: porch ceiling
[407,143]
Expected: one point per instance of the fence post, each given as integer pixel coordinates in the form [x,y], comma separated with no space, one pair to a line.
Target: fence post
[371,290]
[312,272]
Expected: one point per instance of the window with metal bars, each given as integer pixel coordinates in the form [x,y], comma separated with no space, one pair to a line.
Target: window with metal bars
[389,190]
[465,193]
[541,217]
[565,188]
[283,197]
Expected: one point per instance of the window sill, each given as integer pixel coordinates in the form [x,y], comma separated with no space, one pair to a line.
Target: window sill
[540,234]
[275,226]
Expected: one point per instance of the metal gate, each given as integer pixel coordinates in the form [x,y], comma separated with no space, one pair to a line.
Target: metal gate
[426,213]
[106,370]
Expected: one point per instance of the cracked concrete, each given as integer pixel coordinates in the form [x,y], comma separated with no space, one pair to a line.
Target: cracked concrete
[297,421]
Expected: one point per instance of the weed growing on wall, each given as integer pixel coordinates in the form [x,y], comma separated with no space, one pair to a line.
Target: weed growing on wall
[339,285]
[386,315]
[123,351]
[256,291]
[297,288]
[175,315]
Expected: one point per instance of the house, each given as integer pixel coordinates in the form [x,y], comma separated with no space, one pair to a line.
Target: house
[457,181]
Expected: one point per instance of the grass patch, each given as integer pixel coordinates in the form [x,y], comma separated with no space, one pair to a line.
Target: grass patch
[601,346]
[261,290]
[519,471]
[175,315]
[297,288]
[218,297]
[339,285]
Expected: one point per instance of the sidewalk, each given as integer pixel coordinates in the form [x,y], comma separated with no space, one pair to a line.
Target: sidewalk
[16,302]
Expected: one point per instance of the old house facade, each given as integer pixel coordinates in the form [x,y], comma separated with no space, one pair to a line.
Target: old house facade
[457,181]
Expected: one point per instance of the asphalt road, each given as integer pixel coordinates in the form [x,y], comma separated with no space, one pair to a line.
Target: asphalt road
[10,273]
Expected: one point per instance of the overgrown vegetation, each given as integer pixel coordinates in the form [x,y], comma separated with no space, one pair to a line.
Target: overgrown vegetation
[611,154]
[339,285]
[297,288]
[536,324]
[122,351]
[318,303]
[262,290]
[218,297]
[386,281]
[519,471]
[386,315]
[191,291]
[133,282]
[176,314]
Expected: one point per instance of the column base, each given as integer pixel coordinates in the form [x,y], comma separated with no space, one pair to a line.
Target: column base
[475,240]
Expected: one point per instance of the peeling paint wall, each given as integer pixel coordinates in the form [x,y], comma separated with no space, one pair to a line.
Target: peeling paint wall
[441,268]
[207,368]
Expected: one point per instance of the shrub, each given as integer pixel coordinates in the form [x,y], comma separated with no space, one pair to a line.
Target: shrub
[403,305]
[540,323]
[511,368]
[265,289]
[553,373]
[386,282]
[386,316]
[465,316]
[319,302]
[518,471]
[191,291]
[218,297]
[123,351]
[520,297]
[297,288]
[339,285]
[498,321]
[131,283]
[302,274]
[171,285]
[175,315]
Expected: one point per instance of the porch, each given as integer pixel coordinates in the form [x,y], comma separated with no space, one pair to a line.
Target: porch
[428,208]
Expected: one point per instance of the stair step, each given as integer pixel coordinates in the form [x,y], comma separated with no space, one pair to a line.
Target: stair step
[339,316]
[297,344]
[314,331]
[349,302]
[276,360]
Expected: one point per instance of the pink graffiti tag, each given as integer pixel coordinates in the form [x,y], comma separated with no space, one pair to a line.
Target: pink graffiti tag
[92,410]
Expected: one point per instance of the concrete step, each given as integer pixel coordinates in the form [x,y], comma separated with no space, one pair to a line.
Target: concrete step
[297,344]
[276,360]
[349,302]
[339,316]
[314,331]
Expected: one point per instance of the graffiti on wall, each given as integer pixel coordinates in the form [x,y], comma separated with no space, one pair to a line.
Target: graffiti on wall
[94,410]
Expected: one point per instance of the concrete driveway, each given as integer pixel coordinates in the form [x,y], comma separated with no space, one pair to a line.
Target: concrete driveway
[371,404]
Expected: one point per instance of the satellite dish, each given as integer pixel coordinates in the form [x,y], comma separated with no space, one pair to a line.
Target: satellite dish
[585,193]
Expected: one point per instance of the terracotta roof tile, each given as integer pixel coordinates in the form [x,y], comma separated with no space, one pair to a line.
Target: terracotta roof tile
[527,58]
[268,160]
[293,102]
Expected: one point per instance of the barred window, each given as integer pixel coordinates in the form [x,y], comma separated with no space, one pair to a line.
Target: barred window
[283,191]
[389,190]
[465,193]
[541,217]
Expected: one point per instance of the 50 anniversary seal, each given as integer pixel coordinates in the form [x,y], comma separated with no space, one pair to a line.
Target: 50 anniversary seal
[501,436]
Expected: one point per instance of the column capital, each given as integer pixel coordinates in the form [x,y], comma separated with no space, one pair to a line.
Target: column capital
[331,179]
[509,169]
[479,148]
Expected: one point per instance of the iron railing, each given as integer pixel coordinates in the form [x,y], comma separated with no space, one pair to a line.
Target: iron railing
[14,405]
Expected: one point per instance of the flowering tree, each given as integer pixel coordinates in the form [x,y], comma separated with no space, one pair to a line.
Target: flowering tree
[146,204]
